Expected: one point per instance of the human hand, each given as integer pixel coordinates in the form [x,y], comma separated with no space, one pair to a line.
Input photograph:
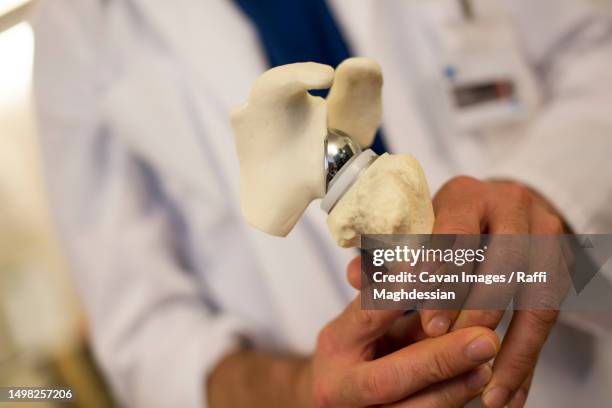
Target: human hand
[468,206]
[362,358]
[376,357]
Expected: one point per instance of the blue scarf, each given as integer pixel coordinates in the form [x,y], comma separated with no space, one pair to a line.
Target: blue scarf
[297,31]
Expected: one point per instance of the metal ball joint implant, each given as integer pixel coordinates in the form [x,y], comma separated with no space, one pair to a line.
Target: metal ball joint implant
[344,162]
[339,150]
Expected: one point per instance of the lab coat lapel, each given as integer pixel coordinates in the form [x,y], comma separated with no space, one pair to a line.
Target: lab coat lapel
[219,73]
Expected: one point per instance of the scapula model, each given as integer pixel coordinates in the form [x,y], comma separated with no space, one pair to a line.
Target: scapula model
[294,148]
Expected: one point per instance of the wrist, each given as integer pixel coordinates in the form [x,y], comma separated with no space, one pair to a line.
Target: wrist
[255,379]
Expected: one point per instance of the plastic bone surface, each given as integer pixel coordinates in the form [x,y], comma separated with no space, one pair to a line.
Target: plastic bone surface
[280,133]
[390,197]
[354,102]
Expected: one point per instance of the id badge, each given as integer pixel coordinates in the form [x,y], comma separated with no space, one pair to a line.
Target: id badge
[486,82]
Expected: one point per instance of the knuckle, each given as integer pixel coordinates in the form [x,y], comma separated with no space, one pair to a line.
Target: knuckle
[520,364]
[465,181]
[552,225]
[420,371]
[372,386]
[518,194]
[547,300]
[460,184]
[458,220]
[441,367]
[542,318]
[459,229]
[380,385]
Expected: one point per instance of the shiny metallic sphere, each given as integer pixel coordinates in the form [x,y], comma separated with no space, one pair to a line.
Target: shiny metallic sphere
[339,150]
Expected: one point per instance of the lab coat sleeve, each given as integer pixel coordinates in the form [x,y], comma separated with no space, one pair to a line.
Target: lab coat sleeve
[566,153]
[153,333]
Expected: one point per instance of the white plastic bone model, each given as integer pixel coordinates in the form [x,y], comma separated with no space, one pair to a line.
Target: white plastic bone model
[280,135]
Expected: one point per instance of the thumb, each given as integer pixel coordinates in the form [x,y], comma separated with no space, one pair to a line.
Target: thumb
[353,273]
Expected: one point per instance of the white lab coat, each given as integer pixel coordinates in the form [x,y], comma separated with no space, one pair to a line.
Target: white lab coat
[133,98]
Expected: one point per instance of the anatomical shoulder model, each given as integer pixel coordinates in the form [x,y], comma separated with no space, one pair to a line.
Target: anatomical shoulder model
[294,147]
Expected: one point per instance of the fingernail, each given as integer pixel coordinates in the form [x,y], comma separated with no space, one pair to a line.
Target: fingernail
[438,326]
[481,350]
[496,397]
[519,399]
[479,378]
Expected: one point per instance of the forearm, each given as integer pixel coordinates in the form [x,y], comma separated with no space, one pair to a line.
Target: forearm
[257,379]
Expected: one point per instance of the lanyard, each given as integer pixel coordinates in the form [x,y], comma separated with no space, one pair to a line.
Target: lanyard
[467,10]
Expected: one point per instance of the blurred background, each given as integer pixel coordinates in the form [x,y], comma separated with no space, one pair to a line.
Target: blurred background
[43,333]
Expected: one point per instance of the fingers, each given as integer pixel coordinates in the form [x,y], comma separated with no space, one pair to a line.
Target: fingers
[487,302]
[509,222]
[352,332]
[354,101]
[524,339]
[512,214]
[520,397]
[549,253]
[529,329]
[459,210]
[420,365]
[353,272]
[459,207]
[437,322]
[454,393]
[405,331]
[278,85]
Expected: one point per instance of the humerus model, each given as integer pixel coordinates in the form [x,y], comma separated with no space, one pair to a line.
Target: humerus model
[294,148]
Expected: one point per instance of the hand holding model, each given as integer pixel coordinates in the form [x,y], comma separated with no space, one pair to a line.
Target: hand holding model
[363,358]
[294,148]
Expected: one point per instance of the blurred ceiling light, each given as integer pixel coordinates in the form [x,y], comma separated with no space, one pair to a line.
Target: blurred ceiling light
[10,4]
[12,12]
[16,51]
